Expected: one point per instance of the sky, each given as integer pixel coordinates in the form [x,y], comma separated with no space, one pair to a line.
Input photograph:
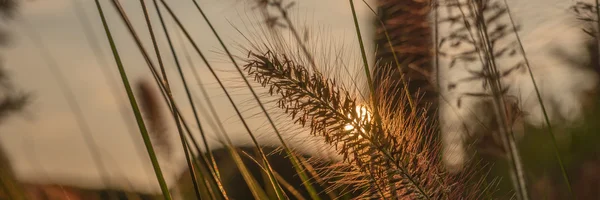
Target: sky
[45,143]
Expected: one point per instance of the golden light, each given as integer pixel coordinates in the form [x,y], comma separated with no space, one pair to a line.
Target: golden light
[364,117]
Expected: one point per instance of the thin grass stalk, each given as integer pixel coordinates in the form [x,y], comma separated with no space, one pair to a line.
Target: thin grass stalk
[239,114]
[366,68]
[91,39]
[145,55]
[281,180]
[263,174]
[302,45]
[436,5]
[295,162]
[196,146]
[397,62]
[188,157]
[195,143]
[211,158]
[134,106]
[156,48]
[208,193]
[540,100]
[170,94]
[192,170]
[298,167]
[189,96]
[152,69]
[191,160]
[316,176]
[206,163]
[289,187]
[164,81]
[255,189]
[294,31]
[72,102]
[496,91]
[436,35]
[374,97]
[490,66]
[167,95]
[288,23]
[203,91]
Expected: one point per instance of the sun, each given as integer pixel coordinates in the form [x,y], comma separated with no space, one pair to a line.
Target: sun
[365,117]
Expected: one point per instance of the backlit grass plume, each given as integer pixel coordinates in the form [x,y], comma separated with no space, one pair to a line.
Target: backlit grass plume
[385,158]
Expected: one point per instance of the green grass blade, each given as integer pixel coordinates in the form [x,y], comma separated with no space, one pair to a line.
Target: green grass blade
[254,187]
[215,125]
[134,106]
[91,39]
[170,94]
[293,159]
[189,96]
[367,70]
[167,98]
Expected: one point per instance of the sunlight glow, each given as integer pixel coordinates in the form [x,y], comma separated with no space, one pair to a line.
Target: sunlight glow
[365,117]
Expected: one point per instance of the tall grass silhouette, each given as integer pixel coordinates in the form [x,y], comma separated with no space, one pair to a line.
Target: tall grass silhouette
[377,121]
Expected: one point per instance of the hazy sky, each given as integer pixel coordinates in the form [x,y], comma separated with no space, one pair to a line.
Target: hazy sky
[45,143]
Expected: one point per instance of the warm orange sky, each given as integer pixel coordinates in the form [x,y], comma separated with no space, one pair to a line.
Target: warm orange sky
[46,142]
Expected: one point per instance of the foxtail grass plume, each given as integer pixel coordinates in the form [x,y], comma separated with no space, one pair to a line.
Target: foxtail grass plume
[387,157]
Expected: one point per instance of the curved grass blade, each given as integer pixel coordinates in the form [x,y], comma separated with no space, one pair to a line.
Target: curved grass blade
[189,96]
[91,39]
[255,189]
[136,111]
[293,159]
[363,53]
[184,143]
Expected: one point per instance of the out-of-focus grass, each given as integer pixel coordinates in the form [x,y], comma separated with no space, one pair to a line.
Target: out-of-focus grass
[580,152]
[578,145]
